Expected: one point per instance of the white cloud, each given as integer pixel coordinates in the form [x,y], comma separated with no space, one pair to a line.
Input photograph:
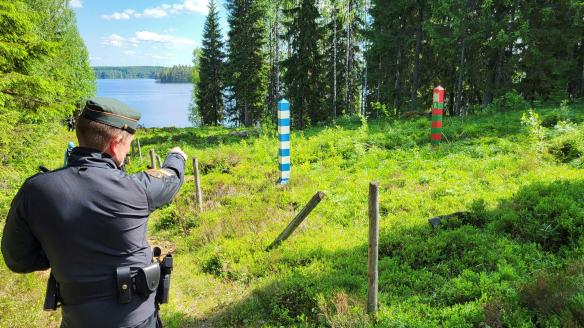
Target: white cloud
[153,13]
[75,4]
[126,14]
[146,36]
[113,40]
[190,7]
[185,7]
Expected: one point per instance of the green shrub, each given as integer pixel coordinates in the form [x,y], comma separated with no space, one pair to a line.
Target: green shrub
[536,132]
[568,147]
[213,266]
[551,215]
[379,110]
[290,302]
[556,294]
[342,311]
[510,101]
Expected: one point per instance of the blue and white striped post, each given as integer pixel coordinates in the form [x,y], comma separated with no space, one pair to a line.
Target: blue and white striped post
[284,137]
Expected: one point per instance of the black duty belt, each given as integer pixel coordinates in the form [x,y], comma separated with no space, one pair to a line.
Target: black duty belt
[128,282]
[82,292]
[125,284]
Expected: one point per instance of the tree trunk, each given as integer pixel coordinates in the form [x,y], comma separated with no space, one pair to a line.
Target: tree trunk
[417,59]
[271,58]
[335,62]
[246,116]
[277,52]
[582,81]
[348,60]
[396,86]
[378,92]
[457,102]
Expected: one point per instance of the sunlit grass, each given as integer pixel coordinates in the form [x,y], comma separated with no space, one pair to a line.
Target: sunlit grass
[224,277]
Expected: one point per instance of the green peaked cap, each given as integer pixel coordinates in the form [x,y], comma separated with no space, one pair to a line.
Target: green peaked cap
[111,112]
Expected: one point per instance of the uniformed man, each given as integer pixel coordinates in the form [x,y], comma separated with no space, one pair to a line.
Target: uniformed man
[68,152]
[89,219]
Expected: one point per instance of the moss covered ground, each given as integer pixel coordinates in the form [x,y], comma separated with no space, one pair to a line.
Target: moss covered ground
[513,259]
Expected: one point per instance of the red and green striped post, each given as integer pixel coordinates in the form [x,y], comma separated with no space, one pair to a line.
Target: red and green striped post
[437,114]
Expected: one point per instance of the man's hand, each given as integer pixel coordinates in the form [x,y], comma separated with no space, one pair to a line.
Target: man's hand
[177,150]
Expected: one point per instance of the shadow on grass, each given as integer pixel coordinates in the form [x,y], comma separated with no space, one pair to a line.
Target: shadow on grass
[470,269]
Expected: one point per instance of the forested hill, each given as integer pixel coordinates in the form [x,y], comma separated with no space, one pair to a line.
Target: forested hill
[174,74]
[127,72]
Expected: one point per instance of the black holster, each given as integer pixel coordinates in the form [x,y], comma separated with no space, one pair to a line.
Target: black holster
[137,281]
[164,285]
[52,297]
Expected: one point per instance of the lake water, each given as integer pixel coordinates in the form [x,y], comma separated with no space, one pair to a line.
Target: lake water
[161,104]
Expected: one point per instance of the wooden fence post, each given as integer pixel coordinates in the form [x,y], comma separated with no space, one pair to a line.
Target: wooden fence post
[373,247]
[140,150]
[152,158]
[198,194]
[298,219]
[159,161]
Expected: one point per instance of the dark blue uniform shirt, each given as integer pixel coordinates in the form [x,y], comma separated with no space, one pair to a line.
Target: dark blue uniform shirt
[85,220]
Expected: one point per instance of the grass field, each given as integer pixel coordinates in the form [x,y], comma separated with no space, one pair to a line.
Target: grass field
[514,260]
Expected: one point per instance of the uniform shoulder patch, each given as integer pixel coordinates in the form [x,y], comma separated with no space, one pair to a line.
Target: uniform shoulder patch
[159,173]
[154,173]
[166,172]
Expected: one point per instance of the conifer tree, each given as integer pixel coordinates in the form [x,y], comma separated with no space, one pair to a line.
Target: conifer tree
[246,71]
[44,71]
[209,90]
[303,66]
[274,55]
[342,62]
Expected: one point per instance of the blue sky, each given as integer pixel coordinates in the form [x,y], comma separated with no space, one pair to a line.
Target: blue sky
[142,32]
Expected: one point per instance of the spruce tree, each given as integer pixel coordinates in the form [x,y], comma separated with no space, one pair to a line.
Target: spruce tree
[274,55]
[209,90]
[342,62]
[246,72]
[303,66]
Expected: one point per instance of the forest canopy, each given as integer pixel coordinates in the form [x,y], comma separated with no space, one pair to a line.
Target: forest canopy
[44,69]
[332,58]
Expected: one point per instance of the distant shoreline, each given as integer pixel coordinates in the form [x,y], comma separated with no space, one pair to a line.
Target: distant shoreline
[175,74]
[144,78]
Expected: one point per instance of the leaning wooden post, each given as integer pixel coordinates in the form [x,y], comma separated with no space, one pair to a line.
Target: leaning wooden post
[198,194]
[284,138]
[158,160]
[140,150]
[133,153]
[297,220]
[437,115]
[152,159]
[373,247]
